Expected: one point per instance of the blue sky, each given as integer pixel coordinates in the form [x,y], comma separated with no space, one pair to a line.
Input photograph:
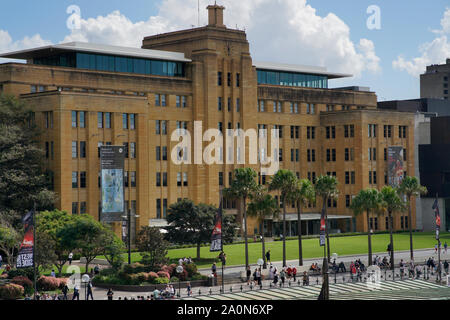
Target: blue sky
[406,25]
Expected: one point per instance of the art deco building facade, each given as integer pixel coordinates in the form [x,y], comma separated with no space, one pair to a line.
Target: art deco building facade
[86,95]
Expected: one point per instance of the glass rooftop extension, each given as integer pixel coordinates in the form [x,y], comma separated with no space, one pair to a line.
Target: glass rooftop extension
[106,58]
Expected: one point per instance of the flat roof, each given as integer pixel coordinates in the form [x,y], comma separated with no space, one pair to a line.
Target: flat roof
[271,66]
[96,48]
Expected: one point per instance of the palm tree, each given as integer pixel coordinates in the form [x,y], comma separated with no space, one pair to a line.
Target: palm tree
[367,200]
[283,181]
[263,206]
[302,195]
[326,188]
[243,185]
[410,187]
[391,203]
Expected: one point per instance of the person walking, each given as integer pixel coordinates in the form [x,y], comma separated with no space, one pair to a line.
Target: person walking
[445,247]
[53,274]
[268,256]
[189,289]
[214,269]
[258,276]
[65,290]
[70,258]
[248,274]
[110,294]
[76,293]
[305,278]
[275,276]
[446,266]
[282,276]
[294,273]
[89,291]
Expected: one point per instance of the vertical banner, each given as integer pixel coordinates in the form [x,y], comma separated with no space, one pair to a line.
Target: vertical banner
[395,166]
[322,228]
[438,217]
[112,163]
[25,258]
[216,237]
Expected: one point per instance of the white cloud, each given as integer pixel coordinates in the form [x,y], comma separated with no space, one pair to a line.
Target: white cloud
[7,44]
[434,52]
[288,31]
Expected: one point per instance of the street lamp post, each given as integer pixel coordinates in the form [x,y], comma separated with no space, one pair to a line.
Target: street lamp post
[260,263]
[85,279]
[180,270]
[128,219]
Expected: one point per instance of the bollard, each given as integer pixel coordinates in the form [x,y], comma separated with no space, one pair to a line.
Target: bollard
[317,280]
[270,285]
[289,283]
[210,291]
[231,289]
[199,292]
[251,286]
[241,287]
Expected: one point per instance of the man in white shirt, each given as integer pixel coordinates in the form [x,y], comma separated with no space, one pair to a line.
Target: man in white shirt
[70,258]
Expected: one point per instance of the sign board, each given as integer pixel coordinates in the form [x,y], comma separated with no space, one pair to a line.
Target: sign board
[395,166]
[112,164]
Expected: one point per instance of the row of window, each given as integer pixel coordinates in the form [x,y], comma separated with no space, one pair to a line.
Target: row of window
[277,107]
[161,179]
[229,104]
[229,79]
[387,131]
[104,120]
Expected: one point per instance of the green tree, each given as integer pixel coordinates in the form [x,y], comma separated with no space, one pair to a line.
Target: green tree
[152,246]
[302,195]
[10,240]
[327,188]
[410,187]
[190,223]
[263,206]
[22,178]
[113,249]
[391,203]
[84,235]
[285,182]
[367,200]
[51,223]
[242,186]
[45,255]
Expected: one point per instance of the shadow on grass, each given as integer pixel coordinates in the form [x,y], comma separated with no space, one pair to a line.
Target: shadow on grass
[199,262]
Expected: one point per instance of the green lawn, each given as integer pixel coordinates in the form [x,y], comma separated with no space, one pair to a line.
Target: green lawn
[311,249]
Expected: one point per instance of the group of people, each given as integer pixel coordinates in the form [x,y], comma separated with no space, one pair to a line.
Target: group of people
[184,260]
[444,248]
[315,267]
[382,263]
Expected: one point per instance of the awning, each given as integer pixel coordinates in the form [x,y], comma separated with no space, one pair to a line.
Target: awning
[159,223]
[310,216]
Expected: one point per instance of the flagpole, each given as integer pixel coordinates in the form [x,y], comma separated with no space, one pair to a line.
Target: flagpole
[221,242]
[34,250]
[439,242]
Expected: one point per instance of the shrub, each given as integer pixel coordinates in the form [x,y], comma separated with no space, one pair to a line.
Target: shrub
[191,269]
[163,274]
[174,279]
[161,280]
[26,272]
[107,272]
[151,276]
[50,284]
[199,277]
[11,291]
[134,268]
[22,281]
[169,269]
[142,277]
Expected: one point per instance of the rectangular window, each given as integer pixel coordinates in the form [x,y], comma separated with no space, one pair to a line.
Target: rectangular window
[185,179]
[126,147]
[83,179]
[82,119]
[163,100]
[108,120]
[347,201]
[74,149]
[133,150]
[158,179]
[164,175]
[133,179]
[158,153]
[125,179]
[238,80]
[83,207]
[183,101]
[179,182]
[158,127]
[100,120]
[229,79]
[238,105]
[74,119]
[124,121]
[132,121]
[164,208]
[52,150]
[74,207]
[220,178]
[219,104]
[157,100]
[74,179]
[158,208]
[164,153]
[82,149]
[219,78]
[178,102]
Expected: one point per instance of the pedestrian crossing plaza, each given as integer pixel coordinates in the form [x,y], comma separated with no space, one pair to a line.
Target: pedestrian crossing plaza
[385,290]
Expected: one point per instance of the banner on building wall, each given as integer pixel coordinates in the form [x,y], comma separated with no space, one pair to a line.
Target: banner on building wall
[25,258]
[216,237]
[112,163]
[437,215]
[322,228]
[395,166]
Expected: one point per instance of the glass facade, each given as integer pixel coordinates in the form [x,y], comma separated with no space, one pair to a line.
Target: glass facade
[292,79]
[101,62]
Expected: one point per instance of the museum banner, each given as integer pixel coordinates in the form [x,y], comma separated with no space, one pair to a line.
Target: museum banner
[112,163]
[216,237]
[25,258]
[395,166]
